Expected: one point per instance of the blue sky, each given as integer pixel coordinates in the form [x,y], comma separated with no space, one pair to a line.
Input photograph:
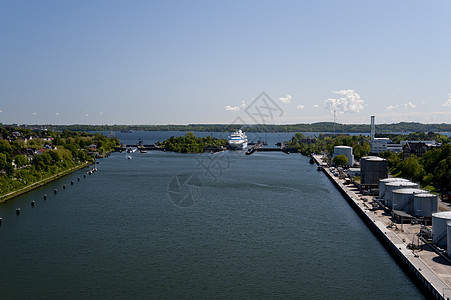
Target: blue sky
[180,62]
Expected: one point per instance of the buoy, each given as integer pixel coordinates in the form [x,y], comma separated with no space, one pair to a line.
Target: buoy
[71,183]
[64,186]
[17,211]
[1,221]
[78,179]
[84,175]
[32,203]
[45,196]
[54,191]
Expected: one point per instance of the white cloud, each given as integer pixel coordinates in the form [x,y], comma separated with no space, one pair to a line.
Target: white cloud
[101,113]
[236,108]
[349,102]
[286,99]
[57,113]
[409,105]
[392,107]
[300,106]
[232,108]
[447,103]
[316,106]
[34,114]
[1,111]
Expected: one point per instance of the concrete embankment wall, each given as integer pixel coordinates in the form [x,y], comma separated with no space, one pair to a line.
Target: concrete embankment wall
[396,249]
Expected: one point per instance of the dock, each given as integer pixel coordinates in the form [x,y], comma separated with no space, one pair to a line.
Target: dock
[259,147]
[429,270]
[139,147]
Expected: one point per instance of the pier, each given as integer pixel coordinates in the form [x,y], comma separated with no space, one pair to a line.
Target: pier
[428,269]
[259,147]
[139,147]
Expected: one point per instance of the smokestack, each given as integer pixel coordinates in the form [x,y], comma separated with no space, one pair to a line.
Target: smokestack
[373,129]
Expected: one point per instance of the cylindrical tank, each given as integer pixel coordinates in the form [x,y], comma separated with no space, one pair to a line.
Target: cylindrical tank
[424,205]
[439,223]
[449,239]
[372,169]
[402,199]
[346,151]
[383,182]
[391,186]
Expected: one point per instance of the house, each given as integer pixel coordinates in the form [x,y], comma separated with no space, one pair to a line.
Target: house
[417,149]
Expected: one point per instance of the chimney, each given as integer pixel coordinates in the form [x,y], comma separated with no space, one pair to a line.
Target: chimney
[373,129]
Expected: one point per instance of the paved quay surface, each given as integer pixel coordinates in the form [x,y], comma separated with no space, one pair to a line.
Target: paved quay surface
[434,268]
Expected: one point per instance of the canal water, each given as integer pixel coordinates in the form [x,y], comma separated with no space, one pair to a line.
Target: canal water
[193,226]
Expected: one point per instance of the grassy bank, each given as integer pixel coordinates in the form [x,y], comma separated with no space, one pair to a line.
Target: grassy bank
[8,196]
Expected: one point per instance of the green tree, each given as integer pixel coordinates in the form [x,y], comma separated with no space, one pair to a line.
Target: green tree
[340,160]
[442,174]
[411,168]
[6,148]
[20,160]
[3,161]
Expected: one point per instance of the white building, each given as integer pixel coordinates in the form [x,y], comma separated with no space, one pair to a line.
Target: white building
[379,145]
[430,144]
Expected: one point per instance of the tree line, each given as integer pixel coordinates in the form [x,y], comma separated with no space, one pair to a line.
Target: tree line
[192,144]
[432,170]
[308,145]
[313,127]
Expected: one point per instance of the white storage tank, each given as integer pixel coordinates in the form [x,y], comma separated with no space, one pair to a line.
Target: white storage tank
[346,151]
[372,169]
[449,238]
[391,186]
[425,205]
[439,224]
[402,199]
[383,182]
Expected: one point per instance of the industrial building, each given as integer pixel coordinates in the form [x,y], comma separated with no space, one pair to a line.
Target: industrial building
[396,185]
[403,199]
[383,182]
[378,145]
[372,169]
[448,234]
[425,204]
[440,222]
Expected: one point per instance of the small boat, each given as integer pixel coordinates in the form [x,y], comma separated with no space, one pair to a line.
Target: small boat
[129,157]
[130,150]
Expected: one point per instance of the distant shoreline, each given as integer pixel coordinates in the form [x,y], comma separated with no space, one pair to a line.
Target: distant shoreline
[401,128]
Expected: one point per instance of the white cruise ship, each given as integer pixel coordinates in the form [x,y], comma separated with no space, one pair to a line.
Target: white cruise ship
[238,140]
